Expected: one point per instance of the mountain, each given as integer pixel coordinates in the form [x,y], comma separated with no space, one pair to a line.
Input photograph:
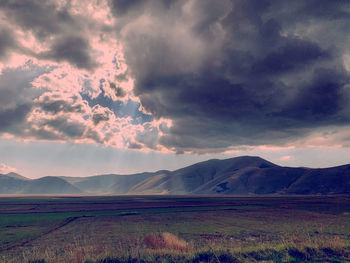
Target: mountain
[201,177]
[209,177]
[248,175]
[240,175]
[10,185]
[17,176]
[49,185]
[46,185]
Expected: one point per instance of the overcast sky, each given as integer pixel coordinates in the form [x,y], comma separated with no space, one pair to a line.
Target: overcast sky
[118,86]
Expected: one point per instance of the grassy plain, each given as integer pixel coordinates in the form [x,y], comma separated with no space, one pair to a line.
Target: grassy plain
[175,229]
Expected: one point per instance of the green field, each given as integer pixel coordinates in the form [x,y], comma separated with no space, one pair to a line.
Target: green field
[175,229]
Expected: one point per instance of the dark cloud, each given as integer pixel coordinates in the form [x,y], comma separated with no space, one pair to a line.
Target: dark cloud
[322,101]
[124,7]
[149,136]
[295,54]
[7,42]
[238,72]
[11,118]
[60,116]
[100,114]
[55,26]
[16,96]
[15,85]
[43,18]
[55,104]
[73,49]
[134,146]
[119,92]
[68,129]
[121,7]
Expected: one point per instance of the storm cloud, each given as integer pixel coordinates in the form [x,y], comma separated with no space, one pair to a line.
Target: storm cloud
[73,49]
[232,73]
[43,18]
[7,42]
[180,75]
[54,26]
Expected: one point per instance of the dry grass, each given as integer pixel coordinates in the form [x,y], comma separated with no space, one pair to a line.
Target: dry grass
[166,241]
[251,234]
[319,242]
[166,245]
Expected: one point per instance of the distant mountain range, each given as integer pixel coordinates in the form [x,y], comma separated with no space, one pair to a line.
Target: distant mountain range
[241,175]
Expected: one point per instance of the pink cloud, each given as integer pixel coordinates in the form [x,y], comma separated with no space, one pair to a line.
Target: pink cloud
[5,169]
[65,116]
[286,158]
[59,112]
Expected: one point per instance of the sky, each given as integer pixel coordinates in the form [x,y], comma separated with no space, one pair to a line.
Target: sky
[118,86]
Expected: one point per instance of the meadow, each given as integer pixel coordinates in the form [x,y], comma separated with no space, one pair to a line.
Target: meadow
[96,229]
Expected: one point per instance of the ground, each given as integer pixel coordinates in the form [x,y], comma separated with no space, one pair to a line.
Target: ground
[175,229]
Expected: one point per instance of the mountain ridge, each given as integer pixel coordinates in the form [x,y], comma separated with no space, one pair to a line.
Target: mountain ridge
[239,175]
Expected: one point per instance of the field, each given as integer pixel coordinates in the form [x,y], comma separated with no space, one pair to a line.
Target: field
[175,229]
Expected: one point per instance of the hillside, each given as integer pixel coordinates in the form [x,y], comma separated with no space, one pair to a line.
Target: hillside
[50,185]
[248,175]
[240,175]
[44,185]
[108,183]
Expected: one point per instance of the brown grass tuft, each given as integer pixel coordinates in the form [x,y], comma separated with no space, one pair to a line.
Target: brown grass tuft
[335,243]
[165,241]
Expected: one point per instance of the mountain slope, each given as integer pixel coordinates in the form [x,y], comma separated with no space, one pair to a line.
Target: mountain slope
[10,185]
[124,183]
[248,175]
[16,176]
[49,185]
[334,180]
[109,183]
[201,177]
